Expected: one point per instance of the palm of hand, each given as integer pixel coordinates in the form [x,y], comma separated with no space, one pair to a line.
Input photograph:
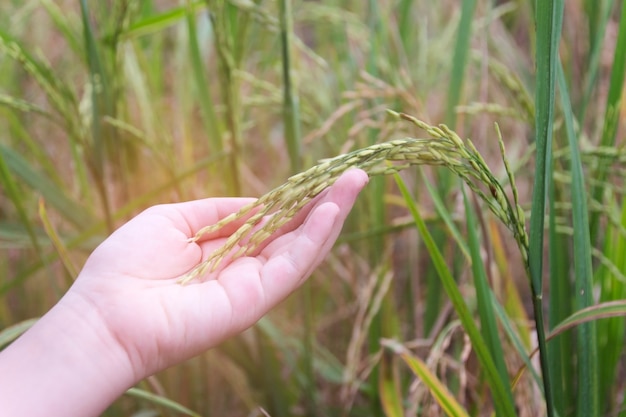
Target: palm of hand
[131,278]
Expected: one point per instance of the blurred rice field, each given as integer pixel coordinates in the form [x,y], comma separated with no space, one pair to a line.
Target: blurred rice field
[426,306]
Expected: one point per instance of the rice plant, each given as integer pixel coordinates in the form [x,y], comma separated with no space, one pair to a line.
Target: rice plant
[445,148]
[434,298]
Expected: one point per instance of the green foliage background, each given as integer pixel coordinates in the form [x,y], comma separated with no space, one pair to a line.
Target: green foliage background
[109,107]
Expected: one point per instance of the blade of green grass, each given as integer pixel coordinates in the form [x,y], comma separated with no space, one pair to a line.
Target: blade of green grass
[158,22]
[291,111]
[444,214]
[60,247]
[385,322]
[548,17]
[459,60]
[61,21]
[433,302]
[101,105]
[406,23]
[488,326]
[611,117]
[607,310]
[611,332]
[498,389]
[587,355]
[161,400]
[224,24]
[277,397]
[211,123]
[560,350]
[595,312]
[90,235]
[25,106]
[19,132]
[514,337]
[11,189]
[58,93]
[389,387]
[293,138]
[70,210]
[598,16]
[444,398]
[9,334]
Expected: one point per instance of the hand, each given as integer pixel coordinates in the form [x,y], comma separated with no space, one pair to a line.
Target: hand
[131,278]
[131,318]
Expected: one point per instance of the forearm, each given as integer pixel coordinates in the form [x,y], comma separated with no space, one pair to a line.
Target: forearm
[65,365]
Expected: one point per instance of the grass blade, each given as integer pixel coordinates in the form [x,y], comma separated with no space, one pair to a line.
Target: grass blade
[389,387]
[611,117]
[441,394]
[560,350]
[598,18]
[71,211]
[9,334]
[291,111]
[10,187]
[499,391]
[162,401]
[596,312]
[102,104]
[459,60]
[444,214]
[211,123]
[158,22]
[611,332]
[56,241]
[224,18]
[513,336]
[488,326]
[587,355]
[291,123]
[548,16]
[61,21]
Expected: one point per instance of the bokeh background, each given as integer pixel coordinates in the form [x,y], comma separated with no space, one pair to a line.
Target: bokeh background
[109,107]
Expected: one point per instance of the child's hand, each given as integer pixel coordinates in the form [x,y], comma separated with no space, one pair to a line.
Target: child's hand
[126,317]
[131,278]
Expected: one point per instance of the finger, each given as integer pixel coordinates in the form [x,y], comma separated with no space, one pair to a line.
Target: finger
[336,192]
[252,288]
[293,257]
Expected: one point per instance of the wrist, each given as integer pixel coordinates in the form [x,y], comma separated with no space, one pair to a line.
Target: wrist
[67,364]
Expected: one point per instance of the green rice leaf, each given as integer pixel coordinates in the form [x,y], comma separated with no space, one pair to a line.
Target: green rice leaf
[611,117]
[589,314]
[459,60]
[203,89]
[488,326]
[444,213]
[73,212]
[389,388]
[438,390]
[158,22]
[587,355]
[57,242]
[162,401]
[548,17]
[498,389]
[9,334]
[11,189]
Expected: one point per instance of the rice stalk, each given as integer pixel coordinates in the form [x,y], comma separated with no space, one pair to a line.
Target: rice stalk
[443,148]
[459,60]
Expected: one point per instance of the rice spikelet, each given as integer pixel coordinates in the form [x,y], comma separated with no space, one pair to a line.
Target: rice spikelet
[444,148]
